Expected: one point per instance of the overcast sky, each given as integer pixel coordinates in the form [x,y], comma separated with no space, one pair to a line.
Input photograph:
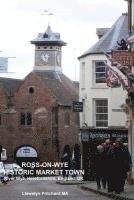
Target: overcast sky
[75,20]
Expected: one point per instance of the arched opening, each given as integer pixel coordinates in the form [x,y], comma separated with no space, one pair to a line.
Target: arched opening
[66,156]
[76,157]
[26,153]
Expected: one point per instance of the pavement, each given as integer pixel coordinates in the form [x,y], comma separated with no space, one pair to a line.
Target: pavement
[128,193]
[37,189]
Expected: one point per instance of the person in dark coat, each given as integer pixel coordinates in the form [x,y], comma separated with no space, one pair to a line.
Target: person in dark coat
[100,163]
[64,159]
[108,149]
[108,144]
[118,166]
[124,164]
[110,165]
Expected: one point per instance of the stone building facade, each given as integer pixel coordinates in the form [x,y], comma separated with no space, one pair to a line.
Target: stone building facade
[36,116]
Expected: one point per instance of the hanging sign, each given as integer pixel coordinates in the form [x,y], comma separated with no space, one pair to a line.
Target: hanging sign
[125,58]
[77,106]
[26,151]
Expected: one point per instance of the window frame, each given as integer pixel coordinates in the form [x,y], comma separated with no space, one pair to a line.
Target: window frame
[99,72]
[83,78]
[24,120]
[101,115]
[31,93]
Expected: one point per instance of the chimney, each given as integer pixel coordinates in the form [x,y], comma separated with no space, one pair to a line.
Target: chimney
[101,31]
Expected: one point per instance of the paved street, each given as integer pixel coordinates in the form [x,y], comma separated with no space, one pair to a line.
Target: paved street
[48,190]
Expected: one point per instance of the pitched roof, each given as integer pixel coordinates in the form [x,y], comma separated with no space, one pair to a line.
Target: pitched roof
[109,40]
[64,90]
[62,87]
[48,38]
[10,85]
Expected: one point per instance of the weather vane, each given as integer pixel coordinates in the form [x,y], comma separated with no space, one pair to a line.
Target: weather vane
[48,14]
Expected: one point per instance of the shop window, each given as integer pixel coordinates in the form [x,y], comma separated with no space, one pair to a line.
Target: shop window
[100,73]
[26,119]
[67,119]
[101,112]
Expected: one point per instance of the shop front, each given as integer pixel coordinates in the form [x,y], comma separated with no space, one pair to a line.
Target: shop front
[90,139]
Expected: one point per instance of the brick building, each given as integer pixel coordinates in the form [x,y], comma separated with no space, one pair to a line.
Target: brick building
[36,116]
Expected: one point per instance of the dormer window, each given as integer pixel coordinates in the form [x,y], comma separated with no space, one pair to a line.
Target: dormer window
[45,35]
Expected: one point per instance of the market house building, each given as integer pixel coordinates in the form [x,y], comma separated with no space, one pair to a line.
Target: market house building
[103,115]
[36,116]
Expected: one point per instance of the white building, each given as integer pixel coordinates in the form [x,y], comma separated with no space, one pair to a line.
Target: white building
[103,116]
[3,64]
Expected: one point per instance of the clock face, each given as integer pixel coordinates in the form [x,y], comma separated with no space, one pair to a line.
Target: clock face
[45,57]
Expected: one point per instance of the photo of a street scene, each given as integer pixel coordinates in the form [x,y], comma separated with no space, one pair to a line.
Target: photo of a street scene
[67,100]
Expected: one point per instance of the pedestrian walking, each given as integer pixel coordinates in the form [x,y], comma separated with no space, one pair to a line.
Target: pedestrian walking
[126,162]
[100,163]
[110,167]
[119,161]
[66,158]
[63,160]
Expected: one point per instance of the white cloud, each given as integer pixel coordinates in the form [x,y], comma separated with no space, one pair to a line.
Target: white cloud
[76,21]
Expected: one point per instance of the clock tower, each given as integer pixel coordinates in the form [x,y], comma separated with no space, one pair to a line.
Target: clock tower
[48,52]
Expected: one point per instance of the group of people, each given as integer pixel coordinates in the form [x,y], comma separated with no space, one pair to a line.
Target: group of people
[112,162]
